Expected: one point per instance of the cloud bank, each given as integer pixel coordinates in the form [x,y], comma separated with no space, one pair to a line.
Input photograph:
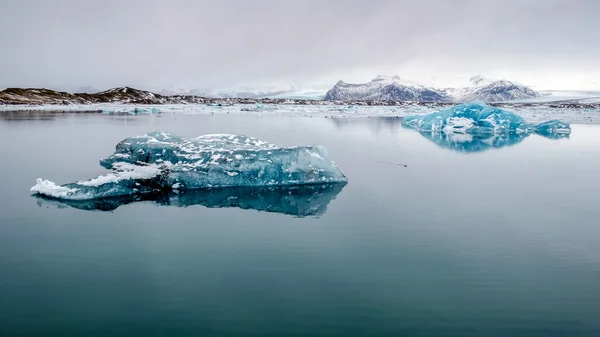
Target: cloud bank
[70,44]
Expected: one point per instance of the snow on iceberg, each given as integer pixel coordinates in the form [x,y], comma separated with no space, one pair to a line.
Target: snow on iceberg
[161,161]
[481,119]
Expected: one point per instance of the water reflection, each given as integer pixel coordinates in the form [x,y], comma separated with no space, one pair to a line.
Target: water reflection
[53,115]
[459,142]
[462,142]
[299,201]
[25,115]
[473,143]
[376,124]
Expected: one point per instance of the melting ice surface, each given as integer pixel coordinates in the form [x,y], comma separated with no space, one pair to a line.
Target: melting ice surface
[481,119]
[160,162]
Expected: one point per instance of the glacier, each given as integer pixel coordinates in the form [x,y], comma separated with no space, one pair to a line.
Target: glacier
[481,119]
[162,161]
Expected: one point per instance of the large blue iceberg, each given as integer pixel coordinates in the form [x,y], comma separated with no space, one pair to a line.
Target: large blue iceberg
[161,161]
[481,119]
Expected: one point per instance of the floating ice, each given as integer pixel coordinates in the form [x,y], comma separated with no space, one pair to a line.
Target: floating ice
[300,201]
[49,188]
[532,113]
[160,161]
[553,127]
[480,119]
[133,110]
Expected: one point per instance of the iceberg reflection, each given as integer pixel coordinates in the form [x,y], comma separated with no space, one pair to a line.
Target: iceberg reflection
[299,201]
[468,143]
[477,127]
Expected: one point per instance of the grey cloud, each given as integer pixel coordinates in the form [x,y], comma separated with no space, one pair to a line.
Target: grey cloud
[71,43]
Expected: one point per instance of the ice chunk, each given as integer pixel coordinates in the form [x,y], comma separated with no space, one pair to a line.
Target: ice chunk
[160,161]
[46,187]
[553,127]
[300,201]
[478,118]
[124,179]
[135,110]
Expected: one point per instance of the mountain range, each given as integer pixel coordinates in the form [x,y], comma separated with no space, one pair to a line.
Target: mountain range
[394,88]
[129,95]
[381,91]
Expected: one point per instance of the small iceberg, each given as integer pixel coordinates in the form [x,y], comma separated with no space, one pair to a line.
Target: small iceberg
[131,110]
[553,129]
[298,201]
[481,119]
[161,162]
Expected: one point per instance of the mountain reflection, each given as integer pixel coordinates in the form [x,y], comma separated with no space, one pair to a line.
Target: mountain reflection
[463,142]
[299,201]
[376,124]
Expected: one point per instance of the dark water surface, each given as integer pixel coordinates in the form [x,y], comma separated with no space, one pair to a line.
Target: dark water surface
[503,241]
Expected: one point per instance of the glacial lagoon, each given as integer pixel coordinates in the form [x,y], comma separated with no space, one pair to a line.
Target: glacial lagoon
[432,235]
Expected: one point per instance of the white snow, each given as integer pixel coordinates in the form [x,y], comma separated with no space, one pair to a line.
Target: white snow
[123,171]
[458,125]
[49,188]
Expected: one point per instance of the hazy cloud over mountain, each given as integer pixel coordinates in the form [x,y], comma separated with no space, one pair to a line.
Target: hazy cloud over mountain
[68,44]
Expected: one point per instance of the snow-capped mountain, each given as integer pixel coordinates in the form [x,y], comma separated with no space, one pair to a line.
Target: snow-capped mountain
[396,89]
[383,88]
[482,89]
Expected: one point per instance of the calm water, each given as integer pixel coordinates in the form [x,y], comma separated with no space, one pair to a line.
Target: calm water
[500,242]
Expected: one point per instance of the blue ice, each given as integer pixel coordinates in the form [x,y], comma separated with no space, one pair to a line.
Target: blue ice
[162,161]
[481,119]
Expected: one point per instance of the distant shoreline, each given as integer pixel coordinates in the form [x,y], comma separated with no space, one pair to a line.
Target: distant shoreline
[31,99]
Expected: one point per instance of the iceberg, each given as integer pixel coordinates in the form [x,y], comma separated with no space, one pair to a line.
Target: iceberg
[481,119]
[131,110]
[553,129]
[298,201]
[161,162]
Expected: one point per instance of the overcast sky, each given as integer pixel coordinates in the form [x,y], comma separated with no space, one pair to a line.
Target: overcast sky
[69,44]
